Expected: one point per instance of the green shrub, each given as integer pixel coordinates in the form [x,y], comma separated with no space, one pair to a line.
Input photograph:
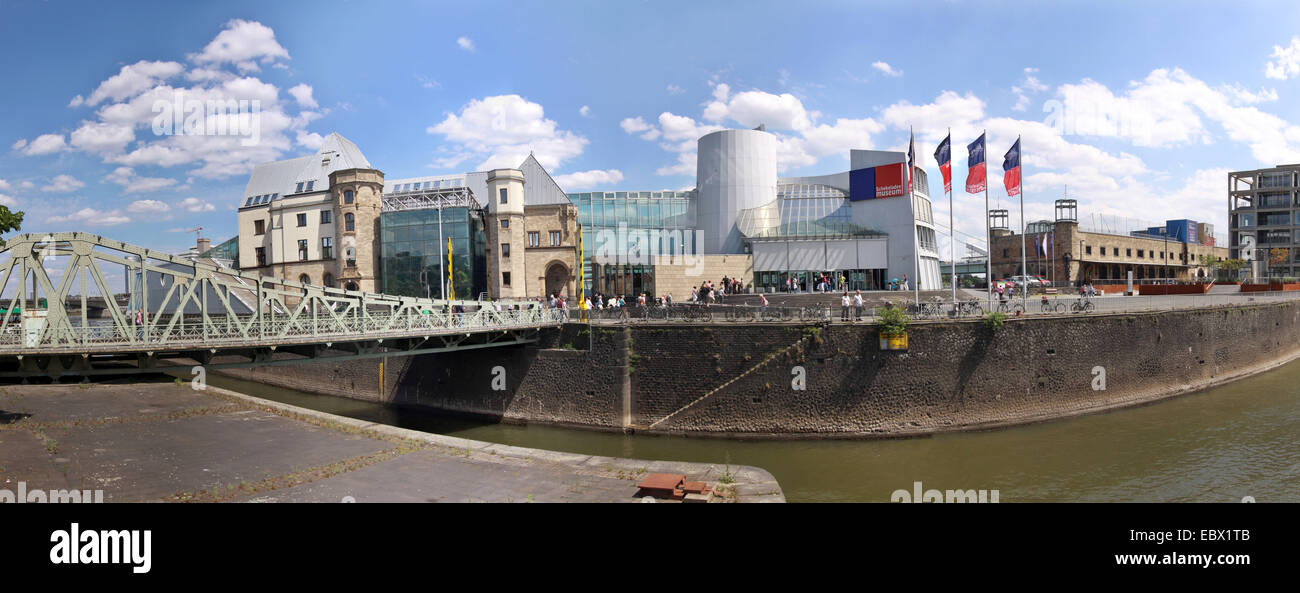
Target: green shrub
[994,320]
[892,320]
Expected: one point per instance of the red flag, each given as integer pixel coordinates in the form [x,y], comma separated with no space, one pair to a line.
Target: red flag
[943,155]
[975,178]
[1011,166]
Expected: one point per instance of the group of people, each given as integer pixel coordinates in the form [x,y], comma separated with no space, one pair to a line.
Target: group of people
[1087,290]
[705,293]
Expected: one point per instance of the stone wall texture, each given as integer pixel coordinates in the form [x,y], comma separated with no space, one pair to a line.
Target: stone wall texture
[745,379]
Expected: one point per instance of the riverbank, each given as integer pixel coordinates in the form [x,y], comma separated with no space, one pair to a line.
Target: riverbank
[164,441]
[826,381]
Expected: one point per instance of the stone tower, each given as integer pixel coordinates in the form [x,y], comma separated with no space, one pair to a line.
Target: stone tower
[357,201]
[505,234]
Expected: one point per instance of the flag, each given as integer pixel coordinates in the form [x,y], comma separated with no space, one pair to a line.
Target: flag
[1044,244]
[943,155]
[1011,166]
[911,157]
[975,178]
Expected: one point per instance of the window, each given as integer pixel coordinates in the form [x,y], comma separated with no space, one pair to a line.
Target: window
[347,197]
[328,280]
[261,256]
[505,250]
[350,255]
[310,184]
[1088,250]
[503,195]
[1103,251]
[534,238]
[302,219]
[1246,219]
[305,279]
[299,189]
[327,247]
[349,222]
[259,227]
[302,250]
[555,238]
[250,201]
[1004,253]
[325,216]
[1128,252]
[505,223]
[505,278]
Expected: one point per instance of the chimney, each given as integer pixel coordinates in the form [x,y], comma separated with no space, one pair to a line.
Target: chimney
[204,245]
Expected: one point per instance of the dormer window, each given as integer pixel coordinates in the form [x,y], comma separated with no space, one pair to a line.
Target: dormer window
[299,190]
[310,184]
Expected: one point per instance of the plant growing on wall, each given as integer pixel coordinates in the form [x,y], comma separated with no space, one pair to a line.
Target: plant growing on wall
[994,321]
[892,321]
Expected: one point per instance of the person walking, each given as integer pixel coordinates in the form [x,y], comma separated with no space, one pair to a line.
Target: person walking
[844,306]
[857,305]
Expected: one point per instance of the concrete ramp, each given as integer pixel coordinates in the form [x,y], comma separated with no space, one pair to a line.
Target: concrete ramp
[1225,289]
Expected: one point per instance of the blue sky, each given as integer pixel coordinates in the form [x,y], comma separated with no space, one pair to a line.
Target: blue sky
[611,95]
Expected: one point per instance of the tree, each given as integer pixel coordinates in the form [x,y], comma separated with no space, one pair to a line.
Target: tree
[9,221]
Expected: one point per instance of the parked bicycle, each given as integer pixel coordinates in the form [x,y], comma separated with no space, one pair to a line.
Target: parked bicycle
[1049,307]
[971,307]
[1082,305]
[1011,307]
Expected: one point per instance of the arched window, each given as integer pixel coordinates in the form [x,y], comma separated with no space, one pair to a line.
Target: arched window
[349,222]
[328,280]
[305,279]
[347,197]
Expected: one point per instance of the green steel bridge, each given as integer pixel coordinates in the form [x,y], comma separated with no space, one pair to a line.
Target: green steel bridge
[173,311]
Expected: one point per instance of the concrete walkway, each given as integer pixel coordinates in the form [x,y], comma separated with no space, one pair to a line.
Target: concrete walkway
[168,442]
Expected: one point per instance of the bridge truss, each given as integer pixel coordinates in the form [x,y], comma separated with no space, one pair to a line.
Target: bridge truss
[165,307]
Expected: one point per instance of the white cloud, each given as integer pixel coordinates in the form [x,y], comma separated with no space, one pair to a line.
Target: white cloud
[148,207]
[242,43]
[302,94]
[125,103]
[502,130]
[4,184]
[63,184]
[131,184]
[675,90]
[633,125]
[102,137]
[310,140]
[90,217]
[1286,62]
[589,179]
[195,205]
[465,43]
[132,80]
[1030,86]
[43,144]
[584,111]
[886,69]
[8,201]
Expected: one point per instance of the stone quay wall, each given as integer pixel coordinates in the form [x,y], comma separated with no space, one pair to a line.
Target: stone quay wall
[782,380]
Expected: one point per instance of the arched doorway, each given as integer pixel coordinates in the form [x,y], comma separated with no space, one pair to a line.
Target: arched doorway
[557,278]
[350,285]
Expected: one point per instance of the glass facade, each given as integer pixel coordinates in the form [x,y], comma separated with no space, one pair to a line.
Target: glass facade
[622,230]
[226,250]
[412,257]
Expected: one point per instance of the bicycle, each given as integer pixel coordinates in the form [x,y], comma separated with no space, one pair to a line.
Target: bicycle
[964,308]
[1049,307]
[1083,305]
[1010,307]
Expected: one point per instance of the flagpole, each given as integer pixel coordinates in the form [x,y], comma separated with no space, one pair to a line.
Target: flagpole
[1024,265]
[916,243]
[988,233]
[952,230]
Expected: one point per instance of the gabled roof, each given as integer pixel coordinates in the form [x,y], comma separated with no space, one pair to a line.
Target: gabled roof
[539,187]
[281,178]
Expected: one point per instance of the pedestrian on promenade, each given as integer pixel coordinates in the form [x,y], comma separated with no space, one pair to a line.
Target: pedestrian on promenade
[857,305]
[844,307]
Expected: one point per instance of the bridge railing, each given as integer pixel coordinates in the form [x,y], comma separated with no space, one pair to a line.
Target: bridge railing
[193,331]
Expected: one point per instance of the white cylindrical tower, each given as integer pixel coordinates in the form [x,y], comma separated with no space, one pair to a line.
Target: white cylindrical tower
[734,170]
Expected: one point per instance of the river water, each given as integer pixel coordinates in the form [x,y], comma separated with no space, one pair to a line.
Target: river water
[1219,445]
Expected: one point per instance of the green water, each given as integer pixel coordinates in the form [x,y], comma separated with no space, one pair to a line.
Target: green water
[1237,440]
